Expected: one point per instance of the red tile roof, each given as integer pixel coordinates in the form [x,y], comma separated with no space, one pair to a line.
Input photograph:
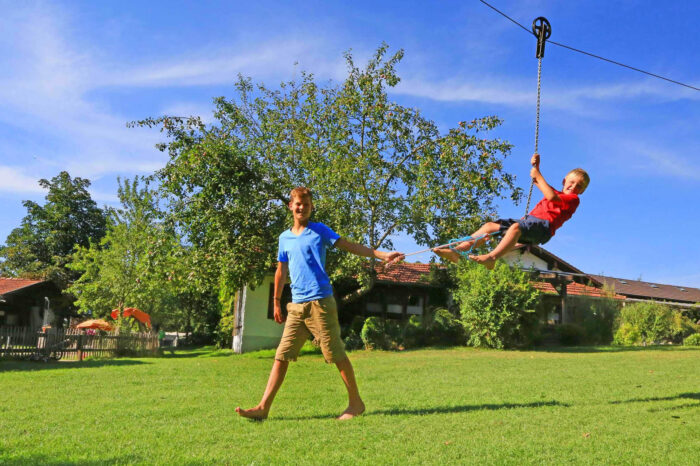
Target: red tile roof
[8,285]
[574,289]
[405,273]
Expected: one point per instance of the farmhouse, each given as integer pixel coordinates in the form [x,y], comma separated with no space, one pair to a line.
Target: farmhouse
[410,289]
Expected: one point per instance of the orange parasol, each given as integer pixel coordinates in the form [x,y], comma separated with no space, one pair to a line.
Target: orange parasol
[100,324]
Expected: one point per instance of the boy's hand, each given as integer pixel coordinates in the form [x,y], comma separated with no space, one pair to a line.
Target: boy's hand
[535,161]
[391,258]
[534,172]
[279,318]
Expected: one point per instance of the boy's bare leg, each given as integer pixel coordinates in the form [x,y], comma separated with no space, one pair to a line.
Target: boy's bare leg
[355,404]
[447,253]
[510,239]
[274,382]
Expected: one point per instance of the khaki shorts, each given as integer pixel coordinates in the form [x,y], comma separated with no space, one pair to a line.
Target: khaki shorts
[318,318]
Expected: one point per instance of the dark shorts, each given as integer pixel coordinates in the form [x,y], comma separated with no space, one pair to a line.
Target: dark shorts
[533,230]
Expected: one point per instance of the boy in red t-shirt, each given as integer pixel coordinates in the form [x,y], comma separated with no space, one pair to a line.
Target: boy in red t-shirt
[535,228]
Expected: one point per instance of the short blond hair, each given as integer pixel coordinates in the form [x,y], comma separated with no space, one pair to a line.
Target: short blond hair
[583,174]
[300,192]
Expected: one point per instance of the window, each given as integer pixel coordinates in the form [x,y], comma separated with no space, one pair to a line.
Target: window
[286,299]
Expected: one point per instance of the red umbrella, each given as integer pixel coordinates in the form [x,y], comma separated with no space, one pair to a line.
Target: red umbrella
[138,315]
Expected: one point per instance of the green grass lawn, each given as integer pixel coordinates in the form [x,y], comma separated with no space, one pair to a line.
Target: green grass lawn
[456,405]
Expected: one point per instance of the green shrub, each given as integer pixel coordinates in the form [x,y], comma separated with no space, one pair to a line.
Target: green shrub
[414,333]
[597,317]
[682,327]
[356,324]
[393,334]
[497,306]
[692,340]
[651,323]
[571,334]
[373,333]
[627,335]
[445,329]
[353,341]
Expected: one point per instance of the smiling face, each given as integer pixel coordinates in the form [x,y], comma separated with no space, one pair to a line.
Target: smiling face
[574,184]
[301,207]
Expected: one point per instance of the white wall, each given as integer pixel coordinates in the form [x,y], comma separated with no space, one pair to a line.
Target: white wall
[258,331]
[526,260]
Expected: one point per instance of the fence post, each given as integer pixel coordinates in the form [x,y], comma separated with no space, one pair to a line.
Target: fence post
[80,347]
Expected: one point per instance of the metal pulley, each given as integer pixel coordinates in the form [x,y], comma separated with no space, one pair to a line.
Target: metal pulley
[542,30]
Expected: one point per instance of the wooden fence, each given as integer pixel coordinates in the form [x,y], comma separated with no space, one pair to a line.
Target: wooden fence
[72,344]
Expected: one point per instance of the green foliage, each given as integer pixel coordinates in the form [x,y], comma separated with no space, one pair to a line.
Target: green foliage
[627,335]
[374,333]
[571,334]
[692,340]
[445,329]
[42,245]
[414,333]
[224,329]
[353,341]
[376,168]
[141,263]
[596,317]
[644,323]
[394,334]
[497,306]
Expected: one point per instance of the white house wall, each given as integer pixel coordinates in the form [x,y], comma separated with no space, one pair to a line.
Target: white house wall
[258,331]
[525,260]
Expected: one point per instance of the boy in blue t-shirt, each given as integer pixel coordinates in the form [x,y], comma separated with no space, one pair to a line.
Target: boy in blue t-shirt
[313,311]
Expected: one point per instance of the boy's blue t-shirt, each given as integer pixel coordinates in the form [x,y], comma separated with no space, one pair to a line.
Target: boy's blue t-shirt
[306,255]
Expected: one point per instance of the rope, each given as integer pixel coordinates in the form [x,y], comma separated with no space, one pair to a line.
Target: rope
[537,128]
[456,241]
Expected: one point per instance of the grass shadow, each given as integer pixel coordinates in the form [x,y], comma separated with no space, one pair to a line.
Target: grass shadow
[438,410]
[680,396]
[31,366]
[129,458]
[611,349]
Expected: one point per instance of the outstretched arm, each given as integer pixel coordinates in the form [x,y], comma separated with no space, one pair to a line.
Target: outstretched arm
[364,251]
[548,192]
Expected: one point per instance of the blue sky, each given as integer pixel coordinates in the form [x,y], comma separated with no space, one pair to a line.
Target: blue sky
[73,73]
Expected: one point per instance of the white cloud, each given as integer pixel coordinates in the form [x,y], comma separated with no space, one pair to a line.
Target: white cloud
[14,180]
[582,99]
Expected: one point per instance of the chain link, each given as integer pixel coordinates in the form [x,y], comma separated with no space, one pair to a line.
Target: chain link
[537,128]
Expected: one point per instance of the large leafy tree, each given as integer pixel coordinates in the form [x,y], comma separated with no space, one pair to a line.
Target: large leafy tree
[138,263]
[43,243]
[376,168]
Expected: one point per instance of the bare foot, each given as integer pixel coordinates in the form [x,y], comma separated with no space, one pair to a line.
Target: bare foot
[485,259]
[352,411]
[448,254]
[257,414]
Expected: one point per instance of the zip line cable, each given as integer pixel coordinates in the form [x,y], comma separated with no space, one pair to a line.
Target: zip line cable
[591,54]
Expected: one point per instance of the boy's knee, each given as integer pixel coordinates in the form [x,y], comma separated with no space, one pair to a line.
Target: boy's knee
[515,228]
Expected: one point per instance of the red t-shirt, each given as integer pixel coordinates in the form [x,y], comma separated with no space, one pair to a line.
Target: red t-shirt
[557,212]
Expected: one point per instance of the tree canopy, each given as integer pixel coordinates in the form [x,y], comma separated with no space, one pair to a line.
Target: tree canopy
[376,169]
[41,246]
